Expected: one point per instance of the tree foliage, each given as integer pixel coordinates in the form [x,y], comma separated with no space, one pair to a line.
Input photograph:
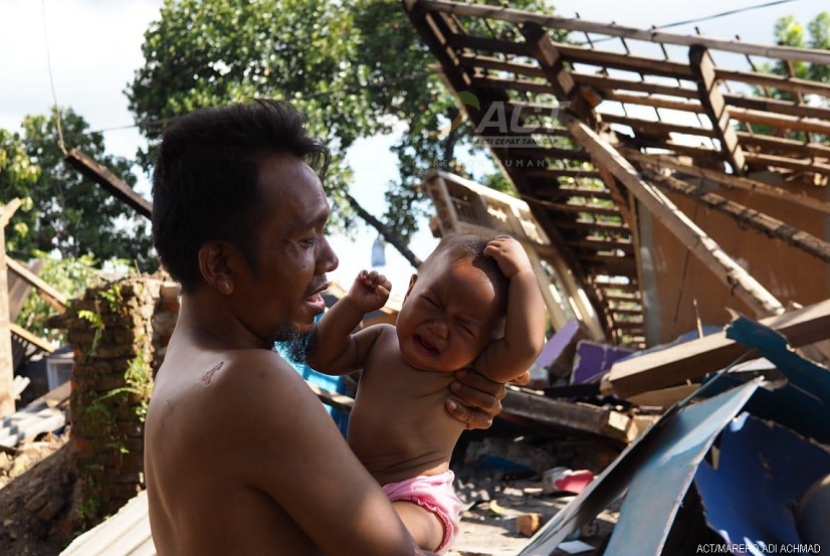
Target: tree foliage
[789,32]
[63,211]
[354,68]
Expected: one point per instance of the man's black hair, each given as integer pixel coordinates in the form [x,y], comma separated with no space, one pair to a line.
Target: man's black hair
[205,182]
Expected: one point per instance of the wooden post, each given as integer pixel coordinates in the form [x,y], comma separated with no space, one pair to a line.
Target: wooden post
[6,357]
[713,102]
[109,181]
[702,246]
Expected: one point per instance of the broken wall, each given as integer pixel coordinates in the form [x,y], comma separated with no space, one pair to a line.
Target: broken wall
[787,272]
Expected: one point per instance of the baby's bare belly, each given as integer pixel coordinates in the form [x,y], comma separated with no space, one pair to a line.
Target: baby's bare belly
[399,436]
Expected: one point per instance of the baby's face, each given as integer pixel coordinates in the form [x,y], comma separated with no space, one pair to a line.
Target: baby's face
[449,316]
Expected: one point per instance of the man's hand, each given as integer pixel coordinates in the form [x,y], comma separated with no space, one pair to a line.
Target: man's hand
[477,399]
[370,291]
[509,254]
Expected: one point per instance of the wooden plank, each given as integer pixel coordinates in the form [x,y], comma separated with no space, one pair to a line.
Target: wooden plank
[625,62]
[7,405]
[36,341]
[772,161]
[691,360]
[555,173]
[609,83]
[650,127]
[748,218]
[603,244]
[774,106]
[8,210]
[504,84]
[583,208]
[488,62]
[459,42]
[775,81]
[695,239]
[649,35]
[618,227]
[780,121]
[52,296]
[711,97]
[700,154]
[582,192]
[575,418]
[781,145]
[555,153]
[727,180]
[55,397]
[655,102]
[109,181]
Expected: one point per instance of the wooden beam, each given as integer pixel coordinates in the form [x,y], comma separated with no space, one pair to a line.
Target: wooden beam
[701,245]
[625,62]
[459,42]
[650,127]
[691,360]
[36,341]
[6,356]
[618,227]
[555,153]
[582,208]
[50,294]
[504,84]
[711,97]
[655,102]
[581,192]
[774,106]
[813,56]
[782,145]
[726,180]
[771,80]
[772,161]
[609,83]
[573,418]
[780,121]
[603,244]
[109,181]
[746,217]
[555,173]
[488,62]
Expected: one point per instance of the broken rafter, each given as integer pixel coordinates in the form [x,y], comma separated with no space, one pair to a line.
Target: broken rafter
[607,83]
[726,179]
[109,181]
[711,97]
[50,294]
[689,234]
[744,216]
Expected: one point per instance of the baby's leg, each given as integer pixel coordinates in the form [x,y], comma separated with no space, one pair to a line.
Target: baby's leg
[424,526]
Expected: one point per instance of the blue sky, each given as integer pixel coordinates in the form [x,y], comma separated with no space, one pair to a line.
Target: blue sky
[95,48]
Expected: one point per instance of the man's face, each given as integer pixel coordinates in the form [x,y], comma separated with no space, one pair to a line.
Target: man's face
[292,252]
[449,316]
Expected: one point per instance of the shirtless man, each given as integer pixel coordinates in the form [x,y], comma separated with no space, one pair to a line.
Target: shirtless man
[240,456]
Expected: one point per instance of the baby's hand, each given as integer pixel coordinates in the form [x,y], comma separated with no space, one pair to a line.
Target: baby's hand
[509,254]
[370,291]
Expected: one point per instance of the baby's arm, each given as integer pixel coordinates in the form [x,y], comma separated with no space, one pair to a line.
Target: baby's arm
[335,350]
[524,329]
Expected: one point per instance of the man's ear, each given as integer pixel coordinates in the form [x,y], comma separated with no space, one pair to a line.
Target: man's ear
[412,281]
[215,265]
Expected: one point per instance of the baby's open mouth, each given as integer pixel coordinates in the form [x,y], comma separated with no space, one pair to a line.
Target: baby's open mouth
[425,345]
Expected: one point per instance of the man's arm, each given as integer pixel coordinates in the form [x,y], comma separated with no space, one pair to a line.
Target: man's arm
[287,447]
[524,329]
[335,350]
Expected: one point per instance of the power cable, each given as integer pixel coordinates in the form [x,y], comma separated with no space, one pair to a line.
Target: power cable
[61,144]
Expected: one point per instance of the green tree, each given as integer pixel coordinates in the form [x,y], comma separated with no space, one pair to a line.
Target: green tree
[64,211]
[354,68]
[789,32]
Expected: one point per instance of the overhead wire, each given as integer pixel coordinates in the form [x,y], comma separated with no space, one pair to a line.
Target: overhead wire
[61,143]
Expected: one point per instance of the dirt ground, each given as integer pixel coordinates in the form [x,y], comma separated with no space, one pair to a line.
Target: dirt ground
[489,526]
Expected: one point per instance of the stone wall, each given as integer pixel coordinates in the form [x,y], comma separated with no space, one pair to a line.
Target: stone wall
[119,333]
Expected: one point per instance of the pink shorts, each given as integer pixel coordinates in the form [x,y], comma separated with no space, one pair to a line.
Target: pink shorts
[434,494]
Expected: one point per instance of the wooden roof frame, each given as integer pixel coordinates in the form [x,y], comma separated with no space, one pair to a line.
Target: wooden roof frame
[723,146]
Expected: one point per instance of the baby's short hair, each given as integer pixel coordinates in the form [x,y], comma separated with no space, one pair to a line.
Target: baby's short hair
[464,245]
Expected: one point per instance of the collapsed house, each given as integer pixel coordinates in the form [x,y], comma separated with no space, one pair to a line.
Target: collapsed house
[654,189]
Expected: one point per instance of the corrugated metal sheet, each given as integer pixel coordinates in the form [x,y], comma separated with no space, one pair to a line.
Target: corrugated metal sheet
[27,423]
[127,533]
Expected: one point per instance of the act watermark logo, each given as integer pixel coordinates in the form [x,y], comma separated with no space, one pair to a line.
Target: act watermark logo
[503,124]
